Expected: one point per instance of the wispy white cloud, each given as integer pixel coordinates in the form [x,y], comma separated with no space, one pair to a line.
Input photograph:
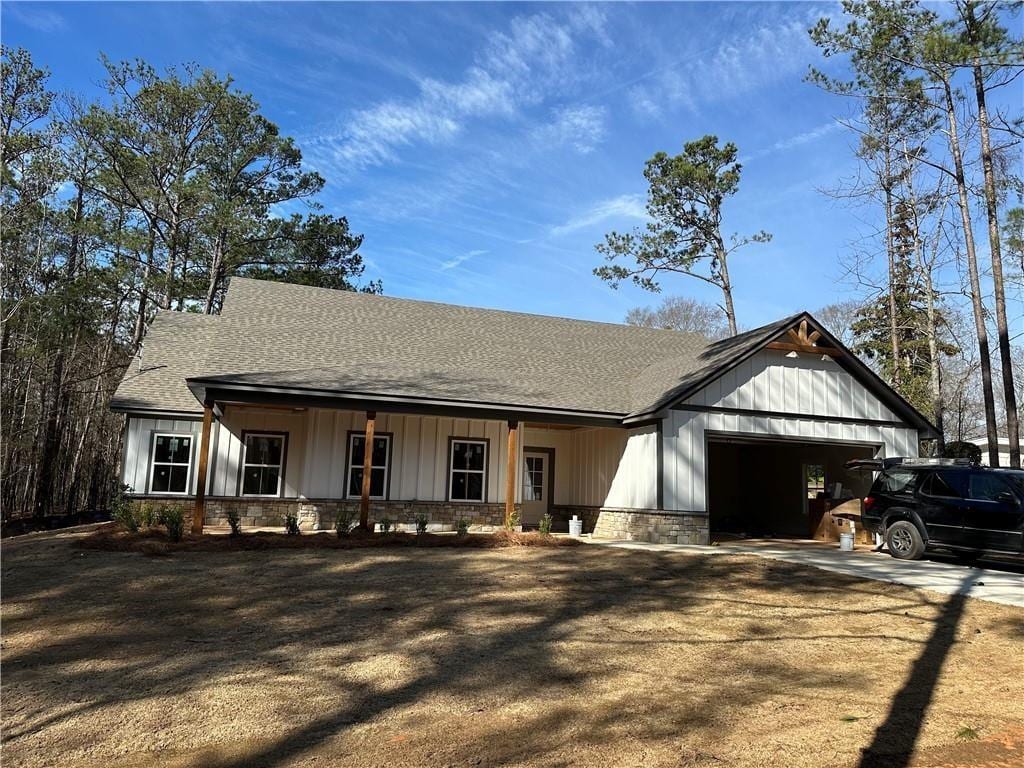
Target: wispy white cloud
[455,261]
[580,127]
[515,67]
[796,140]
[762,55]
[621,207]
[36,17]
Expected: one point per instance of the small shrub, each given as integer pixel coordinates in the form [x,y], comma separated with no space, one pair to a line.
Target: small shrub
[121,510]
[235,521]
[147,516]
[545,524]
[462,527]
[385,526]
[967,734]
[291,524]
[172,517]
[513,521]
[421,524]
[343,522]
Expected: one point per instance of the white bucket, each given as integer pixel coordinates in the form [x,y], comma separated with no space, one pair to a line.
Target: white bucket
[575,526]
[846,542]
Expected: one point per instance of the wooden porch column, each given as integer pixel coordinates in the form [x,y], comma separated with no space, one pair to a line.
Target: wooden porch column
[364,498]
[510,473]
[199,510]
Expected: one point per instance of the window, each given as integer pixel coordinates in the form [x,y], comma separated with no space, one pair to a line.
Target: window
[943,484]
[172,464]
[264,461]
[986,487]
[533,478]
[895,481]
[468,461]
[378,464]
[814,480]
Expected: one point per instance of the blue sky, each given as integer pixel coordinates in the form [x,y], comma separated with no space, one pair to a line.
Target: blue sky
[484,149]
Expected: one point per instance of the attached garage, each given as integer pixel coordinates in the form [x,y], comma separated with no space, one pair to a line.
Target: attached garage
[759,446]
[778,488]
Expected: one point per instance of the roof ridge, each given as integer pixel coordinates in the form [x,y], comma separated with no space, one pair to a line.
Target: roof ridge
[434,303]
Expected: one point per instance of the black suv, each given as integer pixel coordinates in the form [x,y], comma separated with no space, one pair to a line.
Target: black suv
[919,504]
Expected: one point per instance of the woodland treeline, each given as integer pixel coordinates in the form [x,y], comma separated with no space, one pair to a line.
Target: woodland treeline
[940,278]
[148,194]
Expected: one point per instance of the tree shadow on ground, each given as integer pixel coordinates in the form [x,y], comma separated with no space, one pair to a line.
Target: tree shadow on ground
[597,644]
[895,739]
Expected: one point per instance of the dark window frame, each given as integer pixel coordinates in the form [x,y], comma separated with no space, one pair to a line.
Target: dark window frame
[154,436]
[348,463]
[284,463]
[452,439]
[550,472]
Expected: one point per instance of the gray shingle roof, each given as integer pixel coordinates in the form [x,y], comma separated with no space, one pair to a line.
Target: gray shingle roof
[283,335]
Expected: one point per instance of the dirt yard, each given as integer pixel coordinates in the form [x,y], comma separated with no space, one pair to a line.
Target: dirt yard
[450,657]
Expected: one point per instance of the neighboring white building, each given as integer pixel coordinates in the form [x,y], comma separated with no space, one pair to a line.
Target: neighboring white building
[653,434]
[1004,448]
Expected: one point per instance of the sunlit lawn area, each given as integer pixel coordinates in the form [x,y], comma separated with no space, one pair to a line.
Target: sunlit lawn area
[432,656]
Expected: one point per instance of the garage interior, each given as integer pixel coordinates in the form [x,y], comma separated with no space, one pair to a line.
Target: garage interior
[781,489]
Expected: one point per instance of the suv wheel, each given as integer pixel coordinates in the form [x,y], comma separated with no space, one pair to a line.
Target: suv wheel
[904,540]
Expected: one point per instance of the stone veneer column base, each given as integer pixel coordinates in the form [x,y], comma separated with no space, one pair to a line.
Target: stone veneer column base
[657,526]
[319,514]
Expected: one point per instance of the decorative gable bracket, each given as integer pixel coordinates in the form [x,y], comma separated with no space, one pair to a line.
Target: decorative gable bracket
[802,339]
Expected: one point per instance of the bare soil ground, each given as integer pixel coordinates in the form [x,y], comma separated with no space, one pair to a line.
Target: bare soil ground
[518,656]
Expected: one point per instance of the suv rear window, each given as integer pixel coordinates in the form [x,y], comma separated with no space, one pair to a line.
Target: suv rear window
[895,480]
[944,484]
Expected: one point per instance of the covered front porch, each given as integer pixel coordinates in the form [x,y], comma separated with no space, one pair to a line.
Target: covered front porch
[262,455]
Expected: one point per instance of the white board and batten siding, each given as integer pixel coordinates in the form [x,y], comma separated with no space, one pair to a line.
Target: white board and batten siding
[317,451]
[601,466]
[138,448]
[227,447]
[594,466]
[770,381]
[419,453]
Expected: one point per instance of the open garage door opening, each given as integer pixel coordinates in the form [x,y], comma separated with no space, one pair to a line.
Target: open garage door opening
[780,488]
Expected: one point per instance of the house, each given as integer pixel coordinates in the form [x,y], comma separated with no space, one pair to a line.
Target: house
[472,413]
[1002,443]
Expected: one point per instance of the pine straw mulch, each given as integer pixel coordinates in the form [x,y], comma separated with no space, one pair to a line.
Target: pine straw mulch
[155,542]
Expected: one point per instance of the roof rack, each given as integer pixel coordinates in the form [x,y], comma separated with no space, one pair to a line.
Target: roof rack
[924,461]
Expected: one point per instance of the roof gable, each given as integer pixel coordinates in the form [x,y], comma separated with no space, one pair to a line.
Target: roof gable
[800,334]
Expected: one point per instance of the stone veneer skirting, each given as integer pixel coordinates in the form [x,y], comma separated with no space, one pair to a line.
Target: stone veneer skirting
[654,525]
[319,514]
[657,526]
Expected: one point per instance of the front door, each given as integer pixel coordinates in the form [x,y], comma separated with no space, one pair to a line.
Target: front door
[536,486]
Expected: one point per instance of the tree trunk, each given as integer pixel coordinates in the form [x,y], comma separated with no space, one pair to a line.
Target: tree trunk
[931,316]
[992,212]
[972,269]
[890,251]
[726,286]
[140,317]
[216,275]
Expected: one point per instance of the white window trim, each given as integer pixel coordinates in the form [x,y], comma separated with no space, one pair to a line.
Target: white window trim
[280,467]
[153,462]
[452,469]
[348,470]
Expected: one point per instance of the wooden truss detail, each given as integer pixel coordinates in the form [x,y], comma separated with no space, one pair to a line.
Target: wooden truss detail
[801,339]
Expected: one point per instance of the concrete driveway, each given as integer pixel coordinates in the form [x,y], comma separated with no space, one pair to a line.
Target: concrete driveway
[997,585]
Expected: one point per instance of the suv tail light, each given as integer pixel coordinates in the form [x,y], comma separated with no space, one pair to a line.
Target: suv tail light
[869,502]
